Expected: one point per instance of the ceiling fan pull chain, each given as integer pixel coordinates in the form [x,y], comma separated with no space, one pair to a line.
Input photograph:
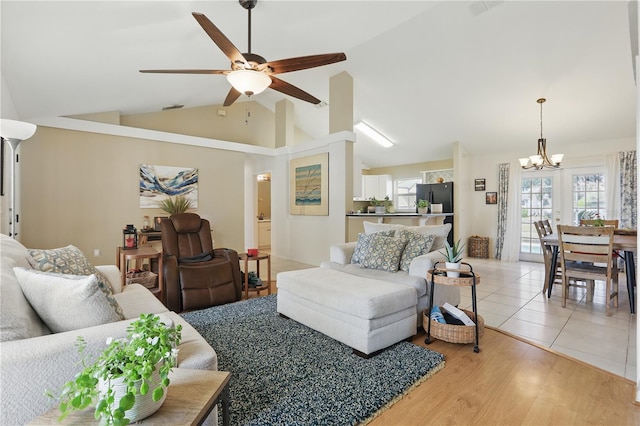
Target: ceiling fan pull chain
[247,115]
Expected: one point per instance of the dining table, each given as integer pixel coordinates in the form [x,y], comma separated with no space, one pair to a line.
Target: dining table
[624,240]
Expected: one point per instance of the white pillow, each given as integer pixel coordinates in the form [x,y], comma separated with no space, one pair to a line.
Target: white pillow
[373,227]
[66,302]
[440,231]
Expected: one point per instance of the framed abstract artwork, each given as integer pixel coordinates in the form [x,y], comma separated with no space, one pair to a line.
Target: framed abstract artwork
[309,185]
[158,183]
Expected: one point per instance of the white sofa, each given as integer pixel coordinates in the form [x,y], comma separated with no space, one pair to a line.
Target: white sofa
[341,254]
[33,359]
[368,308]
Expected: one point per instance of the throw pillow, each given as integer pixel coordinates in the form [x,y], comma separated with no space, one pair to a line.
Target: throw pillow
[417,245]
[65,302]
[383,253]
[71,260]
[362,246]
[440,233]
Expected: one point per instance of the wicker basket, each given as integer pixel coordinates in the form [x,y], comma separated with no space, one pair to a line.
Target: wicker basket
[146,278]
[478,247]
[454,333]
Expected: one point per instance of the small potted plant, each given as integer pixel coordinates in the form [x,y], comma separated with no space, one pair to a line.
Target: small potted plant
[381,206]
[128,381]
[453,256]
[422,206]
[177,204]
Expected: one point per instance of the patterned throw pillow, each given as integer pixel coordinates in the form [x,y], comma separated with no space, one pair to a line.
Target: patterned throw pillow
[362,246]
[417,245]
[70,260]
[383,253]
[65,302]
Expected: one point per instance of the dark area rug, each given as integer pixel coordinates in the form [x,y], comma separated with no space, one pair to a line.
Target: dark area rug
[284,373]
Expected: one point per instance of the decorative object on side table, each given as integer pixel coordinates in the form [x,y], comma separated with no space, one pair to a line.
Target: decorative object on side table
[130,238]
[453,256]
[128,381]
[177,204]
[422,206]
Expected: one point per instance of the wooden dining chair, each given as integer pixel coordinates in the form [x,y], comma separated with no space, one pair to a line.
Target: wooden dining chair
[605,222]
[586,254]
[543,228]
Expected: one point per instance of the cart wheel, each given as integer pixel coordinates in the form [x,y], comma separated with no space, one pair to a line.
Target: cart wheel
[427,340]
[476,349]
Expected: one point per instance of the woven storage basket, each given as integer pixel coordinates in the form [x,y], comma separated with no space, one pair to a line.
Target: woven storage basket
[478,247]
[146,278]
[454,333]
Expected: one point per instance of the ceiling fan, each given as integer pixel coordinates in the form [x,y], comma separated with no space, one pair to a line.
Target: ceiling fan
[251,73]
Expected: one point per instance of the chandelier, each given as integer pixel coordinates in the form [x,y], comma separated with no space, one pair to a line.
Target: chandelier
[541,160]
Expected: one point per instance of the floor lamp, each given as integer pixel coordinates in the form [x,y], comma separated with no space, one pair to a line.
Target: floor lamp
[14,132]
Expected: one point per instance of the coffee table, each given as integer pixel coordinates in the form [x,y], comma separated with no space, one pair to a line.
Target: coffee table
[191,397]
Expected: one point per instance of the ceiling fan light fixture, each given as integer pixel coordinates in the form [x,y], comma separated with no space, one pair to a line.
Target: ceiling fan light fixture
[249,82]
[541,159]
[374,134]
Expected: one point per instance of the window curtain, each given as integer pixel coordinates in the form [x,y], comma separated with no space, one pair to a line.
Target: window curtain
[507,239]
[628,189]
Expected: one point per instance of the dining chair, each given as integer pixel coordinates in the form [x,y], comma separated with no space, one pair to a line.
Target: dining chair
[586,254]
[543,228]
[605,222]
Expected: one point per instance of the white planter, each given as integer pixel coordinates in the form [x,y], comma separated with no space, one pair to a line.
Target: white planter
[453,274]
[423,210]
[380,209]
[144,405]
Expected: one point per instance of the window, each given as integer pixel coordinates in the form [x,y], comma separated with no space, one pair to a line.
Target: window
[405,194]
[588,198]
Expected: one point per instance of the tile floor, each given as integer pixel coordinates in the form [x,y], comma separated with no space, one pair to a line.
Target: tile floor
[509,298]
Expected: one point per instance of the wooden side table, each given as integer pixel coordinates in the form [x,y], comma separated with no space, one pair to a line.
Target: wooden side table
[260,256]
[122,262]
[191,397]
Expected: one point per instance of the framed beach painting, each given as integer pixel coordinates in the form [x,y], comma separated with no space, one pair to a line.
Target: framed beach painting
[158,183]
[309,185]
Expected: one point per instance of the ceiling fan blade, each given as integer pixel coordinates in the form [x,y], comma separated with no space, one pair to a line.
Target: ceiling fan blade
[220,39]
[291,90]
[302,62]
[186,71]
[231,97]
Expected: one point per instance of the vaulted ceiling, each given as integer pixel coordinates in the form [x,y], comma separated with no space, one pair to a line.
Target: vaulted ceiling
[426,73]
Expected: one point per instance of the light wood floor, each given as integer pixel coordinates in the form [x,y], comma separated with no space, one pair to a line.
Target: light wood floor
[511,382]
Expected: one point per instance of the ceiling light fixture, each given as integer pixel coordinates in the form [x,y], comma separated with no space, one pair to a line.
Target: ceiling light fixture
[541,159]
[374,134]
[249,82]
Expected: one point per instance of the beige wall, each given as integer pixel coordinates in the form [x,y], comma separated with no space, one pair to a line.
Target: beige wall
[82,188]
[410,170]
[257,129]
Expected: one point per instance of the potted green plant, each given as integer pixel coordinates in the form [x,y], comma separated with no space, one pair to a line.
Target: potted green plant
[453,256]
[128,381]
[381,206]
[177,204]
[422,206]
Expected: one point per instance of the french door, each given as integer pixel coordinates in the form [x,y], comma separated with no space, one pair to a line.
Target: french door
[560,196]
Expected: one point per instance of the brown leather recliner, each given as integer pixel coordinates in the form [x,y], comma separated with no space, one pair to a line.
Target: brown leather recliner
[195,275]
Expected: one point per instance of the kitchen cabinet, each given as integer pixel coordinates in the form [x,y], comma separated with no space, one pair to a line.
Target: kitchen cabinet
[378,186]
[264,233]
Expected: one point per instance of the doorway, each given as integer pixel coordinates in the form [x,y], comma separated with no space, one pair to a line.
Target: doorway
[263,214]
